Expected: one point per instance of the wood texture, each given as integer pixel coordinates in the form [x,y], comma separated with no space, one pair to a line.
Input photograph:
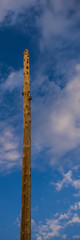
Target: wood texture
[26,165]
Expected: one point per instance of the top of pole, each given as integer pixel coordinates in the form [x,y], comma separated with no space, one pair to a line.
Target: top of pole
[26,51]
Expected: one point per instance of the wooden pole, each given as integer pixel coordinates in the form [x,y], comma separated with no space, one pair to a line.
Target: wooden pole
[26,166]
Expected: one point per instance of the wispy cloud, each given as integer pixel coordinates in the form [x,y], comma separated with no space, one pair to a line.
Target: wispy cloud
[57,114]
[75,219]
[58,117]
[53,18]
[64,236]
[76,237]
[57,23]
[69,180]
[13,8]
[76,206]
[13,81]
[48,230]
[58,110]
[9,149]
[55,226]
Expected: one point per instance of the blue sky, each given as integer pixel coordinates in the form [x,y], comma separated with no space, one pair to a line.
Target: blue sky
[50,30]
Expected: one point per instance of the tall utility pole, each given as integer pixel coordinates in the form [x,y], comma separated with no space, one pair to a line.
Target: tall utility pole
[26,167]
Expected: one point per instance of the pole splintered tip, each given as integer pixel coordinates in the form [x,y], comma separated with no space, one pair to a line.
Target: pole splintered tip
[26,51]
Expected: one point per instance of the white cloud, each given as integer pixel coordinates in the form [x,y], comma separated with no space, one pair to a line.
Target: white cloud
[76,206]
[9,149]
[58,112]
[64,236]
[76,237]
[15,7]
[54,18]
[56,226]
[64,216]
[66,117]
[9,141]
[68,180]
[57,21]
[75,219]
[18,220]
[49,230]
[32,222]
[58,118]
[14,80]
[39,238]
[57,115]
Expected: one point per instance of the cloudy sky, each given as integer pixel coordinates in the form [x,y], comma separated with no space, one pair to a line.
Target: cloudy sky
[50,30]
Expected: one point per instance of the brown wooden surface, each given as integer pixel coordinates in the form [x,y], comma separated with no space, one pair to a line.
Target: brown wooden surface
[26,165]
